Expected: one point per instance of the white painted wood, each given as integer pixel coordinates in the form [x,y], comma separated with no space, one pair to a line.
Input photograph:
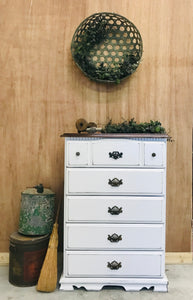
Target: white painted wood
[96,209]
[132,236]
[134,181]
[141,224]
[130,150]
[78,153]
[133,264]
[129,284]
[155,154]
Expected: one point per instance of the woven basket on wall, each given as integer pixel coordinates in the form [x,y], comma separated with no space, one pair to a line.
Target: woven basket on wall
[107,47]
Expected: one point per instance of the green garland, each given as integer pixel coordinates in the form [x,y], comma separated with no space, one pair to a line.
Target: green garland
[133,127]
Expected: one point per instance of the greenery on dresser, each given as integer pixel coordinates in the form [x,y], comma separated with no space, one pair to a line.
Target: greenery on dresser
[132,126]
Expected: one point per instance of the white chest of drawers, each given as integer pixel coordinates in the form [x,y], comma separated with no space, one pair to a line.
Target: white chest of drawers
[114,212]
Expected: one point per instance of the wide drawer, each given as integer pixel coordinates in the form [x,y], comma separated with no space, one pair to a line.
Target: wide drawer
[115,209]
[115,181]
[110,236]
[116,153]
[114,264]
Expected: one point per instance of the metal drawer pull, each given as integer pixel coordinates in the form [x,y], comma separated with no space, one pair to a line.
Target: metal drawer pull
[115,210]
[115,154]
[77,153]
[114,238]
[153,154]
[114,265]
[115,182]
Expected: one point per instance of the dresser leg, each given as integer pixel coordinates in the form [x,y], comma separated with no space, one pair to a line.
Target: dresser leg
[132,287]
[161,288]
[66,287]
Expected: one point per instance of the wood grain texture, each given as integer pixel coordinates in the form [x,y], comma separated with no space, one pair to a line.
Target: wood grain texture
[43,93]
[173,258]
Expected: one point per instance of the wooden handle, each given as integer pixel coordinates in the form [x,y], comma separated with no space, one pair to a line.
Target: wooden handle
[58,210]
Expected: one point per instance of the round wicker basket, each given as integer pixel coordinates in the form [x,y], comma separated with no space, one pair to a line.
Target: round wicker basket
[107,47]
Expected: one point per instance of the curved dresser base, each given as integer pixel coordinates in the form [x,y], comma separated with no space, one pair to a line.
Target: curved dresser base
[96,284]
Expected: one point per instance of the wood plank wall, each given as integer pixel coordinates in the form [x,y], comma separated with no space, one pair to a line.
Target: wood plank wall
[42,94]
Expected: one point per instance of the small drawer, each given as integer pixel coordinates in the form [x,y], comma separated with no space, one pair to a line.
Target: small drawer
[77,153]
[115,181]
[115,209]
[116,153]
[114,264]
[120,236]
[155,154]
